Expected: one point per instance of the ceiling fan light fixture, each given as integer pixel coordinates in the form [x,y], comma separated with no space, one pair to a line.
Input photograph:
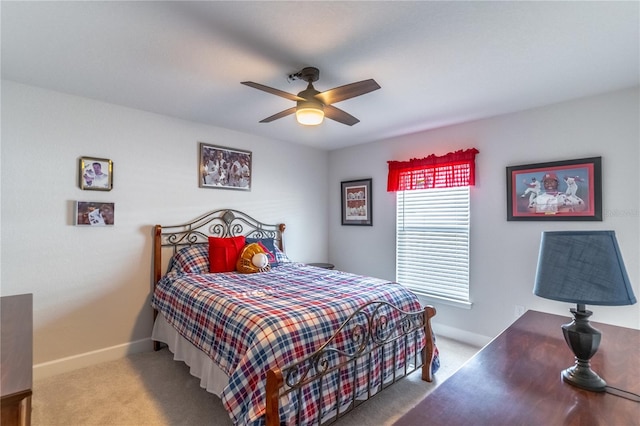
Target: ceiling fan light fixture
[309,113]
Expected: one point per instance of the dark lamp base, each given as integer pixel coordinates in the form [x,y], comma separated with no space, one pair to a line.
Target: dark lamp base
[584,340]
[584,378]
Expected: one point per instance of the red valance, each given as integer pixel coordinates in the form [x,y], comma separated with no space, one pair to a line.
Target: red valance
[447,171]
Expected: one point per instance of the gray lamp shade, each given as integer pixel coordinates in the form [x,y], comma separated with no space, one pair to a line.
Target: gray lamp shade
[582,267]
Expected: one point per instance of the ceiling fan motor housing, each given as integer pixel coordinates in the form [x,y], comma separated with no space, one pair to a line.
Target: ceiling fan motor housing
[310,103]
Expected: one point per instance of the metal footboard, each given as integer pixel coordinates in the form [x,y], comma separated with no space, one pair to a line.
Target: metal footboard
[378,334]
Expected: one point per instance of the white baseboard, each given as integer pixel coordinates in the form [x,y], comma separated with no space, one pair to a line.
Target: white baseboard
[75,362]
[460,335]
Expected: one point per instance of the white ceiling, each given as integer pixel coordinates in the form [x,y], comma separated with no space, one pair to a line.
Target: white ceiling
[439,63]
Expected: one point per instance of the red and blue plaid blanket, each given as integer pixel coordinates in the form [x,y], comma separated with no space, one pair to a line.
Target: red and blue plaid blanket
[250,323]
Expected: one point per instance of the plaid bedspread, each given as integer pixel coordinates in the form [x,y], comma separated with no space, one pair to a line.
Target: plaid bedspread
[249,323]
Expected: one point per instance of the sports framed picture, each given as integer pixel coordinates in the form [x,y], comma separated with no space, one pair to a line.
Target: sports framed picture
[356,202]
[559,190]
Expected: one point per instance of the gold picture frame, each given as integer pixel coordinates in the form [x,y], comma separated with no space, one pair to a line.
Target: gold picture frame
[95,174]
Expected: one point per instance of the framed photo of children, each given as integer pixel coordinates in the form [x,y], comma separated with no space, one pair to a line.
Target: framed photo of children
[94,213]
[356,202]
[96,174]
[225,168]
[560,190]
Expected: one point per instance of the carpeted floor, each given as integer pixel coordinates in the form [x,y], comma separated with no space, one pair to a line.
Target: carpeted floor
[152,389]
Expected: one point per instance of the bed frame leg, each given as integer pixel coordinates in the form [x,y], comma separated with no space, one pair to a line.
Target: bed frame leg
[274,383]
[429,347]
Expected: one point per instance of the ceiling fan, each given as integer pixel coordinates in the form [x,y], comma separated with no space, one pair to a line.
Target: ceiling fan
[311,105]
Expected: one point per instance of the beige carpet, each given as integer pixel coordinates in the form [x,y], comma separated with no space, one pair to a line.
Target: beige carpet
[152,389]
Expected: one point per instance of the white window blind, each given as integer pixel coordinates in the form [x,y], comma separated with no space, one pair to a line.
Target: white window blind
[432,242]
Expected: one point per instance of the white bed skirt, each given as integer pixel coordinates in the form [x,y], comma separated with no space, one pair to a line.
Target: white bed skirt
[212,378]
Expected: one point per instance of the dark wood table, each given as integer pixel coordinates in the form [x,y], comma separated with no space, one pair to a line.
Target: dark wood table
[515,380]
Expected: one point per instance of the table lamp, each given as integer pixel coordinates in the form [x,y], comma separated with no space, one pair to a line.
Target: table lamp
[585,268]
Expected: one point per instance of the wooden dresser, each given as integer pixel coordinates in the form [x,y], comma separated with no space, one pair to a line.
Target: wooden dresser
[16,353]
[515,380]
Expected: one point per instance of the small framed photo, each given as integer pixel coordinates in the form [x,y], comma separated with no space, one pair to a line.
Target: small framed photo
[356,202]
[96,174]
[560,190]
[95,213]
[224,168]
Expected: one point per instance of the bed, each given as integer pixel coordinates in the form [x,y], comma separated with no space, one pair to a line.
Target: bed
[288,343]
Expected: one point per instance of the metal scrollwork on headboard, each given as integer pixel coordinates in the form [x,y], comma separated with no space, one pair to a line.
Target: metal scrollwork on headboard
[218,223]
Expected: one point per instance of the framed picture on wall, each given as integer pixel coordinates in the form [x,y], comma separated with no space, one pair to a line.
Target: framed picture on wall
[560,190]
[225,168]
[95,174]
[95,213]
[356,202]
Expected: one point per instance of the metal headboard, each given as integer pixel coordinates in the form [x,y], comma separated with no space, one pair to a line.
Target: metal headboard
[217,223]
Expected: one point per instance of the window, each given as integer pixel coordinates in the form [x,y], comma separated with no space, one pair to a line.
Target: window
[432,224]
[432,242]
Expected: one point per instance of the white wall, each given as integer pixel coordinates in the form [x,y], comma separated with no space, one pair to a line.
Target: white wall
[91,285]
[503,254]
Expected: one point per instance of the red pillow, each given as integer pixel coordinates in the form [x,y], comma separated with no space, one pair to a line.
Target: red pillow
[224,252]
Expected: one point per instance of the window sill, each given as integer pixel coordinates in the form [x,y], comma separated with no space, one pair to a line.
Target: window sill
[430,299]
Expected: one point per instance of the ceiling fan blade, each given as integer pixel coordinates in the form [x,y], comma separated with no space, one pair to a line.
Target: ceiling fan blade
[273,91]
[279,115]
[347,91]
[339,115]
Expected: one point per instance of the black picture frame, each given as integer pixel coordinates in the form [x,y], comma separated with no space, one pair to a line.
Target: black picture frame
[577,195]
[224,168]
[356,202]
